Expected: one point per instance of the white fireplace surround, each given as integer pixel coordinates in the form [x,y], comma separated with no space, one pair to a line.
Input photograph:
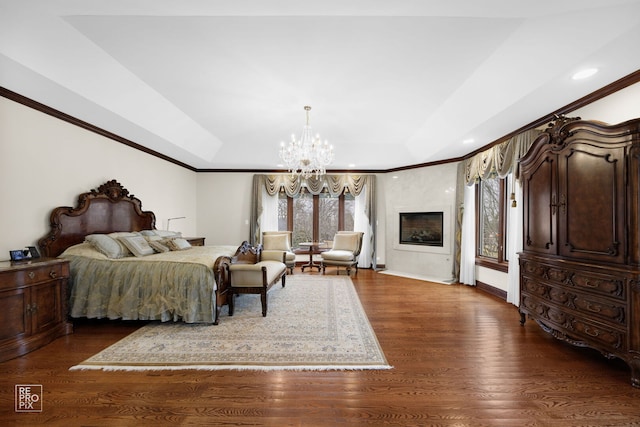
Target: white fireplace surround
[447,230]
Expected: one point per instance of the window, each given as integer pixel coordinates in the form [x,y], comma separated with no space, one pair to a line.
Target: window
[491,202]
[303,220]
[315,218]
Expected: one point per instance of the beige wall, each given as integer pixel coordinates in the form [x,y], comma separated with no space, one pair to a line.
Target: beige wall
[224,207]
[45,162]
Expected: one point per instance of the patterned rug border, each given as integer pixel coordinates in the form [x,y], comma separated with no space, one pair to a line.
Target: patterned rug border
[380,364]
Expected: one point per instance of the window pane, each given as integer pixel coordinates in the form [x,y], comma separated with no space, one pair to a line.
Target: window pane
[507,201]
[302,218]
[349,211]
[489,218]
[328,218]
[282,211]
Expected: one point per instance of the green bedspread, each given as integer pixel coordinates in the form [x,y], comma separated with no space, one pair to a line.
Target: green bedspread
[176,286]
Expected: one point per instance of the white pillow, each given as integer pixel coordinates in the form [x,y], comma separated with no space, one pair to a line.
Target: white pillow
[278,242]
[107,245]
[138,245]
[118,234]
[158,246]
[177,244]
[153,238]
[167,233]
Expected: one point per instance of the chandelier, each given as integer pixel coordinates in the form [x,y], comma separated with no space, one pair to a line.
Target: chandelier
[308,155]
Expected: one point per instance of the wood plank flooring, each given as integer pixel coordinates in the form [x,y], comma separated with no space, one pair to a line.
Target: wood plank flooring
[460,358]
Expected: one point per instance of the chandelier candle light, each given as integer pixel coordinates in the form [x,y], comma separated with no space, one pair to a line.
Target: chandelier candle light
[308,155]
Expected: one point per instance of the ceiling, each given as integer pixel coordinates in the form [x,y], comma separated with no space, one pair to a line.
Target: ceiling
[218,84]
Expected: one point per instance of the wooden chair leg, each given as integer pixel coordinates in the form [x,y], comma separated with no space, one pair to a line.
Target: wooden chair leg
[263,300]
[232,297]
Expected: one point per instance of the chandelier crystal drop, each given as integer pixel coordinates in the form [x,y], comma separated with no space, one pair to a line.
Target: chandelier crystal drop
[308,155]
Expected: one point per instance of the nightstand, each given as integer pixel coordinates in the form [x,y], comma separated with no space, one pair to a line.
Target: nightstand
[195,241]
[33,305]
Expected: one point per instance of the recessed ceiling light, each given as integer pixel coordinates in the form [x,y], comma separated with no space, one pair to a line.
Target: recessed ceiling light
[351,165]
[583,74]
[468,141]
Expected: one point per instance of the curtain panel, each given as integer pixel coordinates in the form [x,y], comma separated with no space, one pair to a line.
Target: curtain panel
[335,184]
[499,160]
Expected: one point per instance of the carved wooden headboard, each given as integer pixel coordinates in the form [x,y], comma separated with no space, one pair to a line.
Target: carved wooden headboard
[107,209]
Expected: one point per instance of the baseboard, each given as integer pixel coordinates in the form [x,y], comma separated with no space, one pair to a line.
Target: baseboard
[499,293]
[444,281]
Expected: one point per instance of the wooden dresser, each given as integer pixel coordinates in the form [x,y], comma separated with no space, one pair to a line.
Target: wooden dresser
[33,305]
[580,265]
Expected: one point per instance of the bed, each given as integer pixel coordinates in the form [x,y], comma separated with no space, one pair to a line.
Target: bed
[184,283]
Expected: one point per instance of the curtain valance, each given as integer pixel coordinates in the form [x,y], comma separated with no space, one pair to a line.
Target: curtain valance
[363,187]
[501,159]
[334,184]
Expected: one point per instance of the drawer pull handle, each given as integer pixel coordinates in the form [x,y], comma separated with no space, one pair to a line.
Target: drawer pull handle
[31,275]
[594,307]
[53,274]
[592,332]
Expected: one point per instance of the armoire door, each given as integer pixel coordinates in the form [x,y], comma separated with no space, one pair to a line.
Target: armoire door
[540,205]
[592,203]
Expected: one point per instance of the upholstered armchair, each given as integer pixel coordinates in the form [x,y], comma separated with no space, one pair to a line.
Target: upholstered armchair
[252,271]
[344,252]
[280,241]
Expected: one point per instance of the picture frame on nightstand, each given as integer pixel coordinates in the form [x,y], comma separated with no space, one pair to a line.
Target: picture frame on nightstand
[19,255]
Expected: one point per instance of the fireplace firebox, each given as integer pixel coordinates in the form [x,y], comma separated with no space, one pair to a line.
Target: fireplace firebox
[421,228]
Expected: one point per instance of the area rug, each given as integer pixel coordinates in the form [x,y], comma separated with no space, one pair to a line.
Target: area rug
[314,323]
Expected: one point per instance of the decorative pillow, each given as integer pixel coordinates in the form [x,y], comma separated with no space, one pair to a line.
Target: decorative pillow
[107,246]
[118,234]
[177,244]
[153,238]
[278,242]
[167,233]
[138,245]
[148,233]
[345,242]
[158,246]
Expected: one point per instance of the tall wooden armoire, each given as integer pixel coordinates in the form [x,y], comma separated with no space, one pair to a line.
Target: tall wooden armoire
[580,264]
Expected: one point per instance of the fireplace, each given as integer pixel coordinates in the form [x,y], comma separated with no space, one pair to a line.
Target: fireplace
[421,228]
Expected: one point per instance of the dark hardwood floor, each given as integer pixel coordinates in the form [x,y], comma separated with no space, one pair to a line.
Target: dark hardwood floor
[460,358]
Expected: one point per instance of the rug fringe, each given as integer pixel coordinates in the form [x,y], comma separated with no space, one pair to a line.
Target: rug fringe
[229,367]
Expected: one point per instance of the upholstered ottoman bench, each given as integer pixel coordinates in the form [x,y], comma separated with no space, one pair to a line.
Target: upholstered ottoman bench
[255,278]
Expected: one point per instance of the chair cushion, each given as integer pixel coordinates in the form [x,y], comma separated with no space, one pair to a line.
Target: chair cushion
[290,256]
[345,242]
[337,255]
